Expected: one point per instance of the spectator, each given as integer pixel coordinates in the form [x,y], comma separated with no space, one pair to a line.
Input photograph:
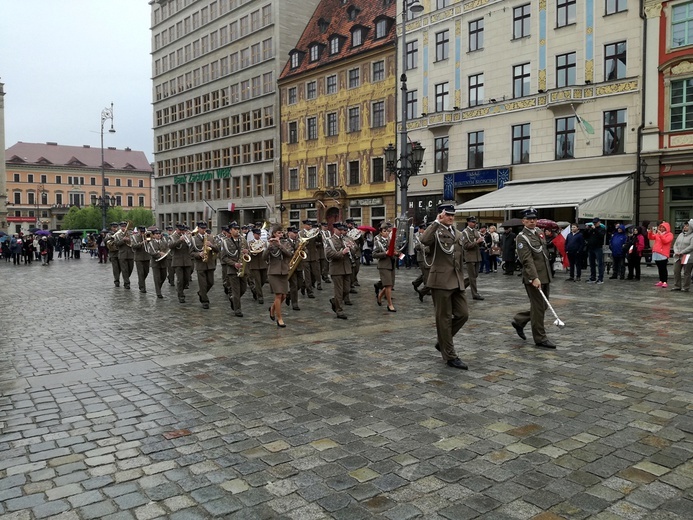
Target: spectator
[367,249]
[508,251]
[635,246]
[594,238]
[683,247]
[16,249]
[618,252]
[76,246]
[574,244]
[494,249]
[485,266]
[663,238]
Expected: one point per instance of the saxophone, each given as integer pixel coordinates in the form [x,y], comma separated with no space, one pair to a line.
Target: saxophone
[204,256]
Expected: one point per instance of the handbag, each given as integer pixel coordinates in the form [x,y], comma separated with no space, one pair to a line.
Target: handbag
[495,251]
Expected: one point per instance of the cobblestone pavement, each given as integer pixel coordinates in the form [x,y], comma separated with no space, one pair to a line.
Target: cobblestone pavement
[117,405]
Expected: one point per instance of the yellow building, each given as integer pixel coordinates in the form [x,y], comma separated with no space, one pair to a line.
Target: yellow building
[338,113]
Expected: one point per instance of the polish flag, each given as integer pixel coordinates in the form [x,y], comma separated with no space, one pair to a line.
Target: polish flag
[559,242]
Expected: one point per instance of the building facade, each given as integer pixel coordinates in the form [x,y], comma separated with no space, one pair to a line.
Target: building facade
[216,106]
[338,113]
[3,172]
[45,180]
[667,151]
[524,91]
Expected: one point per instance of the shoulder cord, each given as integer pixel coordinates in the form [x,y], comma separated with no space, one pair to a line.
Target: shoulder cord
[540,249]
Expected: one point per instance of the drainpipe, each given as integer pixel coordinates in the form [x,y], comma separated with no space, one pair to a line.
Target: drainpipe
[638,171]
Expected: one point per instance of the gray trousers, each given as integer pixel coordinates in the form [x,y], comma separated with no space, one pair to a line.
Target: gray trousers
[159,273]
[142,273]
[115,266]
[535,314]
[126,267]
[205,281]
[452,312]
[472,273]
[342,286]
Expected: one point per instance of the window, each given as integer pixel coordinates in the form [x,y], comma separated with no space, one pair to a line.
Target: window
[292,96]
[521,19]
[381,29]
[476,35]
[354,173]
[614,131]
[332,175]
[30,178]
[331,124]
[311,128]
[682,25]
[442,96]
[314,52]
[412,104]
[475,150]
[565,69]
[357,37]
[293,179]
[269,149]
[334,45]
[615,6]
[294,60]
[682,104]
[378,111]
[378,71]
[331,84]
[476,90]
[441,154]
[293,132]
[378,169]
[16,178]
[565,137]
[565,12]
[520,144]
[442,45]
[412,55]
[17,197]
[442,3]
[312,178]
[311,89]
[354,78]
[521,80]
[354,119]
[44,179]
[615,61]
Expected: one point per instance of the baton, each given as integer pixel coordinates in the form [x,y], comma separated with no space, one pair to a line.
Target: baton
[558,321]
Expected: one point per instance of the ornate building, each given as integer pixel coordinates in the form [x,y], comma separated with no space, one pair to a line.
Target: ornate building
[338,114]
[521,96]
[666,168]
[45,180]
[216,106]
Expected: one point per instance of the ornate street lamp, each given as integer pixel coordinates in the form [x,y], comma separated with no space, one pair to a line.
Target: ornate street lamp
[106,114]
[410,155]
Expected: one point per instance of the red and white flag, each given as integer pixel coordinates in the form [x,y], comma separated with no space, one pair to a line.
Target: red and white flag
[559,242]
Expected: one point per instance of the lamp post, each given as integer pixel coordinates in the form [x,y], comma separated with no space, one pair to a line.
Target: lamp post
[410,156]
[106,114]
[39,190]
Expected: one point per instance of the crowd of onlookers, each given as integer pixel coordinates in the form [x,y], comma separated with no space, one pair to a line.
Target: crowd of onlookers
[21,248]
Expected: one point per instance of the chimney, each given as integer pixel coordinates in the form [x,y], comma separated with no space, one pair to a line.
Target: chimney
[52,144]
[86,146]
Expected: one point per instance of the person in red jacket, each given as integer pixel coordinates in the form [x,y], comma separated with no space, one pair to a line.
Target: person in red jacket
[663,237]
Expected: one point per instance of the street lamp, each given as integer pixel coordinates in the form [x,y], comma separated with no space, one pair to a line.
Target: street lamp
[40,189]
[106,114]
[104,202]
[410,156]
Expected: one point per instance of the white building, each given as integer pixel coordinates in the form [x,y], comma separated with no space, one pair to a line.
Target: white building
[216,106]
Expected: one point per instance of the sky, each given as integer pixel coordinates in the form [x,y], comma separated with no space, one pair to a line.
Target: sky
[64,61]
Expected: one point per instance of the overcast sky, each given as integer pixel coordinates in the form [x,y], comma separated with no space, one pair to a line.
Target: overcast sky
[64,61]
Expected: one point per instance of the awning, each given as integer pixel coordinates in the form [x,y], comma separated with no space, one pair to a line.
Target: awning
[607,196]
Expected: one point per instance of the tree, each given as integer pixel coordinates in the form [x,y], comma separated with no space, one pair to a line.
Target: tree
[141,217]
[82,218]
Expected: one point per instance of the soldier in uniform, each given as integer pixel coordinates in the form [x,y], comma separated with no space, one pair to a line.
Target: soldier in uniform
[296,278]
[472,241]
[126,257]
[170,271]
[337,254]
[446,280]
[277,255]
[142,258]
[113,253]
[324,264]
[181,261]
[257,268]
[421,251]
[356,253]
[232,249]
[311,265]
[536,274]
[157,247]
[204,266]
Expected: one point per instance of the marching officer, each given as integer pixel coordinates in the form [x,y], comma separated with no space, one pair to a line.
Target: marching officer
[232,250]
[157,249]
[472,240]
[142,258]
[109,241]
[181,261]
[338,254]
[204,253]
[126,257]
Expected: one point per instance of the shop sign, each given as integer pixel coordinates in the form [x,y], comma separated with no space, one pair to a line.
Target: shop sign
[220,173]
[472,178]
[376,201]
[21,219]
[303,205]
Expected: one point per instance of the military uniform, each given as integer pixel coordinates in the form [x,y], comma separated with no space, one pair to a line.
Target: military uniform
[230,255]
[296,278]
[109,241]
[142,258]
[257,269]
[421,251]
[181,261]
[472,256]
[340,270]
[126,257]
[157,247]
[205,268]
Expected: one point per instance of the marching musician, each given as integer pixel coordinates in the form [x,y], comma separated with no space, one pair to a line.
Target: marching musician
[157,248]
[257,268]
[446,280]
[337,254]
[472,241]
[386,265]
[296,278]
[232,250]
[421,251]
[277,255]
[311,264]
[356,253]
[142,258]
[320,243]
[109,240]
[181,261]
[203,251]
[126,257]
[533,254]
[170,271]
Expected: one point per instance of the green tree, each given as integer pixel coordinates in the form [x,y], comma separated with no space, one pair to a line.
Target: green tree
[141,217]
[115,214]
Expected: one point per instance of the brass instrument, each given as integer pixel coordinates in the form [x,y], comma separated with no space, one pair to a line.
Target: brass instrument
[300,253]
[354,234]
[206,249]
[243,271]
[257,247]
[148,236]
[117,235]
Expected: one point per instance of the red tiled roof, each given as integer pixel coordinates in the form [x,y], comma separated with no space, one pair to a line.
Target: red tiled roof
[335,13]
[61,155]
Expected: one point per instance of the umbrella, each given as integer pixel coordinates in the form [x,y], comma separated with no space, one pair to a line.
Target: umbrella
[512,222]
[545,223]
[367,229]
[2,233]
[44,232]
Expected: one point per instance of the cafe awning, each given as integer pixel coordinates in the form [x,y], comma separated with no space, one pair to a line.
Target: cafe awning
[607,196]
